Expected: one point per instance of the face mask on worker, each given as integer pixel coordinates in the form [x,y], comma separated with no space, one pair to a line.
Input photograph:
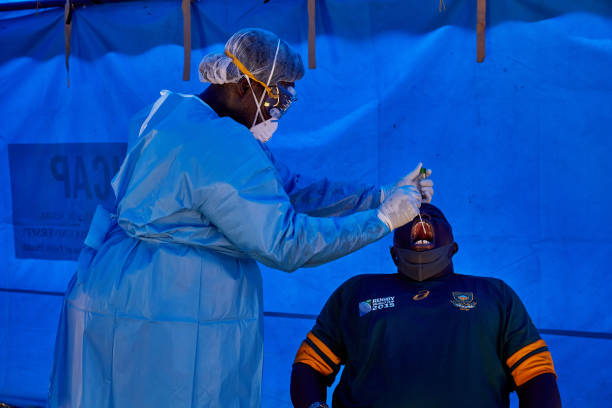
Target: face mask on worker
[276,107]
[423,265]
[276,99]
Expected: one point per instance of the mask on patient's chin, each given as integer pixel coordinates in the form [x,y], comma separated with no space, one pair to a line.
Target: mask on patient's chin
[423,265]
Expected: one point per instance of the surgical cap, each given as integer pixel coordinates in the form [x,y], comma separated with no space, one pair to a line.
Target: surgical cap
[255,49]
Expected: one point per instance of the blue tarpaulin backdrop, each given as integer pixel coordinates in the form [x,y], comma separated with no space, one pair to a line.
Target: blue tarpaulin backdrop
[520,148]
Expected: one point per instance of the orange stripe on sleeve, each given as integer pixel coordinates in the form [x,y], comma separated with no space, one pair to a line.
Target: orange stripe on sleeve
[525,366]
[335,359]
[524,351]
[308,356]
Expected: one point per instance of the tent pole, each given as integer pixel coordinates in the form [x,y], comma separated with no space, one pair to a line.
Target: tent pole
[480,30]
[41,4]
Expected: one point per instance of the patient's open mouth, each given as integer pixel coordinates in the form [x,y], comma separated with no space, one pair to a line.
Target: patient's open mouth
[422,236]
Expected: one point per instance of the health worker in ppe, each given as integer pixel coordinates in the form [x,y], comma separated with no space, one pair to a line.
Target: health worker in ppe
[166,306]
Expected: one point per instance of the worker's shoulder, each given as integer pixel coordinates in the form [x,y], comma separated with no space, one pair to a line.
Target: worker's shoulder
[172,110]
[197,112]
[189,121]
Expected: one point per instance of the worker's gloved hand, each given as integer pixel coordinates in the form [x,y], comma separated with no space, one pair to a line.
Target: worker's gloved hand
[400,207]
[420,180]
[425,186]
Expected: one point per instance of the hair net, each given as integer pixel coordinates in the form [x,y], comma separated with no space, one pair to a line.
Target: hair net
[255,49]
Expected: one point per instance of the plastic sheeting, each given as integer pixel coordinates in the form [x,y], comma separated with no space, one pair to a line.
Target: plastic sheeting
[519,146]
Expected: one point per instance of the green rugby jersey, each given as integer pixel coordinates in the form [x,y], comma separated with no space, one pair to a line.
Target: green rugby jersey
[453,341]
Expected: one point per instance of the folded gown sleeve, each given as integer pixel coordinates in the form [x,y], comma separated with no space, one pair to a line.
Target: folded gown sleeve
[215,168]
[324,197]
[248,203]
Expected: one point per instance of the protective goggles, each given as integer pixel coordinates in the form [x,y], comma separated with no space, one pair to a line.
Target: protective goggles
[281,99]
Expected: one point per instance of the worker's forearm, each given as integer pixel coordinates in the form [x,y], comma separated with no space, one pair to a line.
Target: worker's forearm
[307,386]
[540,392]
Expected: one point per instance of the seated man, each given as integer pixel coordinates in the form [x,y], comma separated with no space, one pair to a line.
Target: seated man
[425,337]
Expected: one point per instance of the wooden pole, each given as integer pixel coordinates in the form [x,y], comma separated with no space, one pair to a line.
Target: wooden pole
[186,6]
[480,30]
[312,60]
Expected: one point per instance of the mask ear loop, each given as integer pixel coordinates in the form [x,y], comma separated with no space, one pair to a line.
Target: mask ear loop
[255,99]
[263,94]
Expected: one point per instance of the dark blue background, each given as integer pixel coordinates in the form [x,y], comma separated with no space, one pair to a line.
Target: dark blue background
[55,190]
[519,146]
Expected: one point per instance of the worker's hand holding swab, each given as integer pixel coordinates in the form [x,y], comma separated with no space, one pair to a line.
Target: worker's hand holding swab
[419,177]
[400,207]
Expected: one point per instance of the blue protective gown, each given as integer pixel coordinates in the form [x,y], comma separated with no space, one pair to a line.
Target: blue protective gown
[165,309]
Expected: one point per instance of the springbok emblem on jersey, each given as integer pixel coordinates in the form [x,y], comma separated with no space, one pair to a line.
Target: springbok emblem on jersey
[463,300]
